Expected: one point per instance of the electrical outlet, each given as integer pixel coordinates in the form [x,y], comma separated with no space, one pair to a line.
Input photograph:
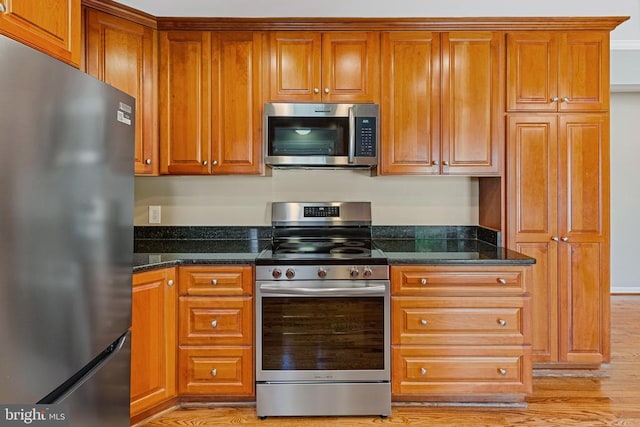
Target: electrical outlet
[154,214]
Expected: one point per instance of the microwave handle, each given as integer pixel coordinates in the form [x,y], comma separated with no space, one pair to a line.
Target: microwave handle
[352,136]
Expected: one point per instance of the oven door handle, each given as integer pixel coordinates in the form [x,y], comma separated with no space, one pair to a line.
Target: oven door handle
[334,292]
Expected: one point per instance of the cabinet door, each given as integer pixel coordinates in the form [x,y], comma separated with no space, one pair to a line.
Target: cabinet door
[472,108]
[237,104]
[123,54]
[153,339]
[185,102]
[583,71]
[351,67]
[53,27]
[532,69]
[584,229]
[410,142]
[532,153]
[295,70]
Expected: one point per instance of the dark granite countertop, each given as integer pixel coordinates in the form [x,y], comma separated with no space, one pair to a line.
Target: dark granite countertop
[150,254]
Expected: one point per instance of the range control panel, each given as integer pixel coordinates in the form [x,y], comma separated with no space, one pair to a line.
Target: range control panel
[322,211]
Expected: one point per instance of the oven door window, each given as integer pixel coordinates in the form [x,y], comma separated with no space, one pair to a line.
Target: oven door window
[322,333]
[308,136]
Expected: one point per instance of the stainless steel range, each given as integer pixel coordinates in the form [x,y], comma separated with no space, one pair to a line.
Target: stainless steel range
[322,314]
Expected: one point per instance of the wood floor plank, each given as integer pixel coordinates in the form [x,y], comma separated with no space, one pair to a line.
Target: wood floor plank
[612,399]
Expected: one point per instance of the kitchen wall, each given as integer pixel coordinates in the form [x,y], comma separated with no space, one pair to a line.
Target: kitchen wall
[245,200]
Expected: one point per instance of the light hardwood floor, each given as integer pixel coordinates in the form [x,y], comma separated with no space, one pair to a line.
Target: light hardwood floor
[610,400]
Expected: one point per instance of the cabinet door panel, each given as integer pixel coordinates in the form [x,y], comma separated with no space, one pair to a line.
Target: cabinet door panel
[295,69]
[584,71]
[153,339]
[410,103]
[237,139]
[350,67]
[584,301]
[532,168]
[532,69]
[472,109]
[185,75]
[583,176]
[123,54]
[53,27]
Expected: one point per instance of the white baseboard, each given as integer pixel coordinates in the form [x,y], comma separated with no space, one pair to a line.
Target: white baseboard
[625,290]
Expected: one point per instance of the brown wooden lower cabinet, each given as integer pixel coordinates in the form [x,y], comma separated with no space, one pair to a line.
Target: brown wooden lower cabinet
[461,333]
[153,340]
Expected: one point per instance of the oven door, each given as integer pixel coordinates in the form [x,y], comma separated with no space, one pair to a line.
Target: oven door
[334,330]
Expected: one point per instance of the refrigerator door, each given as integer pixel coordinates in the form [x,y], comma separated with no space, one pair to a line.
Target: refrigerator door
[66,232]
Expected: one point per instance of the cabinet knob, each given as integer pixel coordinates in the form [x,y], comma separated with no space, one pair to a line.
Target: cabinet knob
[502,371]
[423,322]
[423,371]
[502,281]
[555,238]
[214,372]
[326,90]
[316,90]
[169,282]
[214,282]
[148,161]
[204,163]
[423,281]
[214,323]
[502,322]
[2,8]
[434,162]
[214,163]
[445,163]
[565,100]
[564,239]
[555,99]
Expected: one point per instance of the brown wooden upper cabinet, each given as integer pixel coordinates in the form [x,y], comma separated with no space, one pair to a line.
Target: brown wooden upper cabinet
[441,103]
[324,67]
[551,71]
[210,103]
[124,54]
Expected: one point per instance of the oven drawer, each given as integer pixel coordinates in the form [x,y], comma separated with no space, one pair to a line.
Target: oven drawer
[427,280]
[216,320]
[460,372]
[460,320]
[216,280]
[216,371]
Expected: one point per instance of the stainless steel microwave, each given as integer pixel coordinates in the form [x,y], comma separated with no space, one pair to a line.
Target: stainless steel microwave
[321,135]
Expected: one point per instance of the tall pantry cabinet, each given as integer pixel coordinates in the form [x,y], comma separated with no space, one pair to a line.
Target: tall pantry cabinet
[558,188]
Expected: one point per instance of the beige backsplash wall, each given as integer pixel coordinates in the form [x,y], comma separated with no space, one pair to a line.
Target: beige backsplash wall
[245,200]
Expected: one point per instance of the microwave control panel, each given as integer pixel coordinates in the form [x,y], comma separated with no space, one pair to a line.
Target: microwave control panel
[366,137]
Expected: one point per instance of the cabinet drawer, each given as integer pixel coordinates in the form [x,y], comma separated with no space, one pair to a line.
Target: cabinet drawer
[461,370]
[460,320]
[211,280]
[216,371]
[216,321]
[421,280]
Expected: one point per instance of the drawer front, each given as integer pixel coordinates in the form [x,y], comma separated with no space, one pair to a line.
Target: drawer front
[216,371]
[458,370]
[460,320]
[216,280]
[216,321]
[421,280]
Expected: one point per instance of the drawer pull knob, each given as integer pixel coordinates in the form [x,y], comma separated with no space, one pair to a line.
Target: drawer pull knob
[502,371]
[169,282]
[214,323]
[423,371]
[214,282]
[502,281]
[423,322]
[502,322]
[423,281]
[214,372]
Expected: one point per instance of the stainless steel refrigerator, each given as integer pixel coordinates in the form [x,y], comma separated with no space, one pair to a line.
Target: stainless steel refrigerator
[66,238]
